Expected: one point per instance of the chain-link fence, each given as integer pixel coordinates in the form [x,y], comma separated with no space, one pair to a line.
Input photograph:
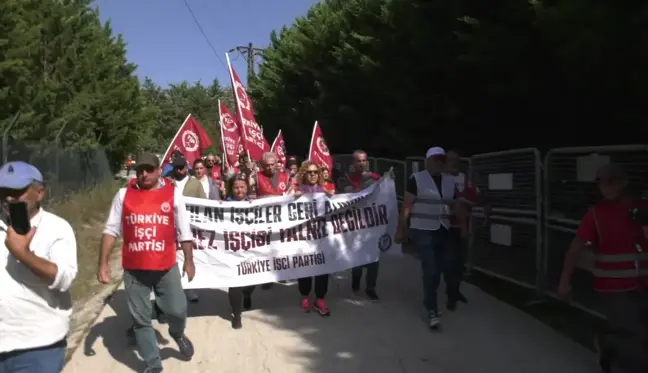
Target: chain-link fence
[65,171]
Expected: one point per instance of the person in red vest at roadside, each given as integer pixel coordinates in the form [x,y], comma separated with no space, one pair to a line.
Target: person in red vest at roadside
[151,216]
[620,271]
[358,178]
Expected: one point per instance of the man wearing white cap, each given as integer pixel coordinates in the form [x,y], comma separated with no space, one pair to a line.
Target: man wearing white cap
[428,199]
[37,268]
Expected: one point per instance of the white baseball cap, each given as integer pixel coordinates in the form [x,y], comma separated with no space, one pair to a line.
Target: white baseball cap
[435,151]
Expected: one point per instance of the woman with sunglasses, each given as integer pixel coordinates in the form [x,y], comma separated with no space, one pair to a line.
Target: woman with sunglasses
[310,180]
[240,298]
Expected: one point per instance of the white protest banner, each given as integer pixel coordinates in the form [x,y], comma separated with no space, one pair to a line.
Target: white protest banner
[283,238]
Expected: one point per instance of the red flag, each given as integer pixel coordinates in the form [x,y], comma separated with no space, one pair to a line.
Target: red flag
[230,137]
[319,152]
[279,147]
[251,134]
[191,139]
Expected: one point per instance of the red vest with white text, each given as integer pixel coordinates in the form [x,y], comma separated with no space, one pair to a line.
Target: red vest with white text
[265,188]
[148,226]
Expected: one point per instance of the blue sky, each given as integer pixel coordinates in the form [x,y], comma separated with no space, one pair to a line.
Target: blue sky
[165,43]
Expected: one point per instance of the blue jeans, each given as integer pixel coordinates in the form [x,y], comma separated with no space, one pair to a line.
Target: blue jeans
[169,296]
[47,359]
[434,252]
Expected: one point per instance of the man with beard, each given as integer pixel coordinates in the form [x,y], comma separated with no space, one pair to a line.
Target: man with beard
[358,178]
[156,270]
[213,164]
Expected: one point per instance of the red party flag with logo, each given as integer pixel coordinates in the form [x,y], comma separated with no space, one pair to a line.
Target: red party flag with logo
[230,137]
[251,134]
[319,152]
[191,139]
[279,147]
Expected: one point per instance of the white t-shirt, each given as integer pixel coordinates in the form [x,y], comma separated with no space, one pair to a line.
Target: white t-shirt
[34,313]
[205,183]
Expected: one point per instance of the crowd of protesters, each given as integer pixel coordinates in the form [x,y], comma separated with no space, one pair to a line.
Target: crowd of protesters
[39,261]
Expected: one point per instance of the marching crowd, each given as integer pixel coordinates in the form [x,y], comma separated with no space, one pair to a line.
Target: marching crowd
[435,207]
[38,264]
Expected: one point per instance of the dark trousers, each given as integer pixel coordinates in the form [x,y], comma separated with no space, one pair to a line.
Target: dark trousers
[48,359]
[321,285]
[236,296]
[625,337]
[169,297]
[370,280]
[434,252]
[456,261]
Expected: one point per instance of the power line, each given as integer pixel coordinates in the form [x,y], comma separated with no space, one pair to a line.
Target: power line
[202,31]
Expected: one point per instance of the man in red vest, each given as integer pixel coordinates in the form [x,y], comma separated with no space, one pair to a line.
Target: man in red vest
[213,164]
[620,271]
[270,182]
[358,178]
[151,216]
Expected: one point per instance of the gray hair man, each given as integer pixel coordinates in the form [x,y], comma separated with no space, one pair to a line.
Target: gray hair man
[270,182]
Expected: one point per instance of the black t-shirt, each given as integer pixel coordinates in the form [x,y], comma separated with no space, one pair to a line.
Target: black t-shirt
[412,188]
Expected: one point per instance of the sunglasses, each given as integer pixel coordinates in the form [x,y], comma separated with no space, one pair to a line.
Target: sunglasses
[13,193]
[311,172]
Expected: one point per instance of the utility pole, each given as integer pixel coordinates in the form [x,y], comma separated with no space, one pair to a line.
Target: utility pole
[249,53]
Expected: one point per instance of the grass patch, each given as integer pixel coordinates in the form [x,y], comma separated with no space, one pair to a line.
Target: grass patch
[86,211]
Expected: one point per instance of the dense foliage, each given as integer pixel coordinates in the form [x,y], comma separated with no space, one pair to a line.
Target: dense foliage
[395,76]
[390,76]
[67,74]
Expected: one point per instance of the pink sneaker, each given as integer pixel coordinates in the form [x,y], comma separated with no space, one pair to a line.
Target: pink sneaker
[306,304]
[321,307]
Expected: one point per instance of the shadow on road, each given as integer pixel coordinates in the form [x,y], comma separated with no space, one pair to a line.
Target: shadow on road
[385,337]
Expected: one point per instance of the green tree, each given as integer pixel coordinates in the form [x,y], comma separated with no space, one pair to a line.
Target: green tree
[394,77]
[67,73]
[168,107]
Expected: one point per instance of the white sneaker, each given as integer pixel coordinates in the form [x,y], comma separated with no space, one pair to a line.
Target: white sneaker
[433,320]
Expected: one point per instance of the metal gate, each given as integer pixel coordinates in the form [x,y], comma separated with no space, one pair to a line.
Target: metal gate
[570,189]
[400,179]
[509,244]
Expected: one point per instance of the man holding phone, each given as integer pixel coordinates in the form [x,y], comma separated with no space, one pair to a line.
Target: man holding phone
[38,264]
[149,214]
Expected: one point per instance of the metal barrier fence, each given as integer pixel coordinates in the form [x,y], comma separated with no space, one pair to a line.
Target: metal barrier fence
[64,171]
[510,247]
[569,191]
[537,204]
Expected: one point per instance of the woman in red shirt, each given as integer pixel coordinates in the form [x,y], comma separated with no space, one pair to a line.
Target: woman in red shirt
[329,185]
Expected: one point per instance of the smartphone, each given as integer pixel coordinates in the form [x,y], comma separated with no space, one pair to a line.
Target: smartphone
[19,217]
